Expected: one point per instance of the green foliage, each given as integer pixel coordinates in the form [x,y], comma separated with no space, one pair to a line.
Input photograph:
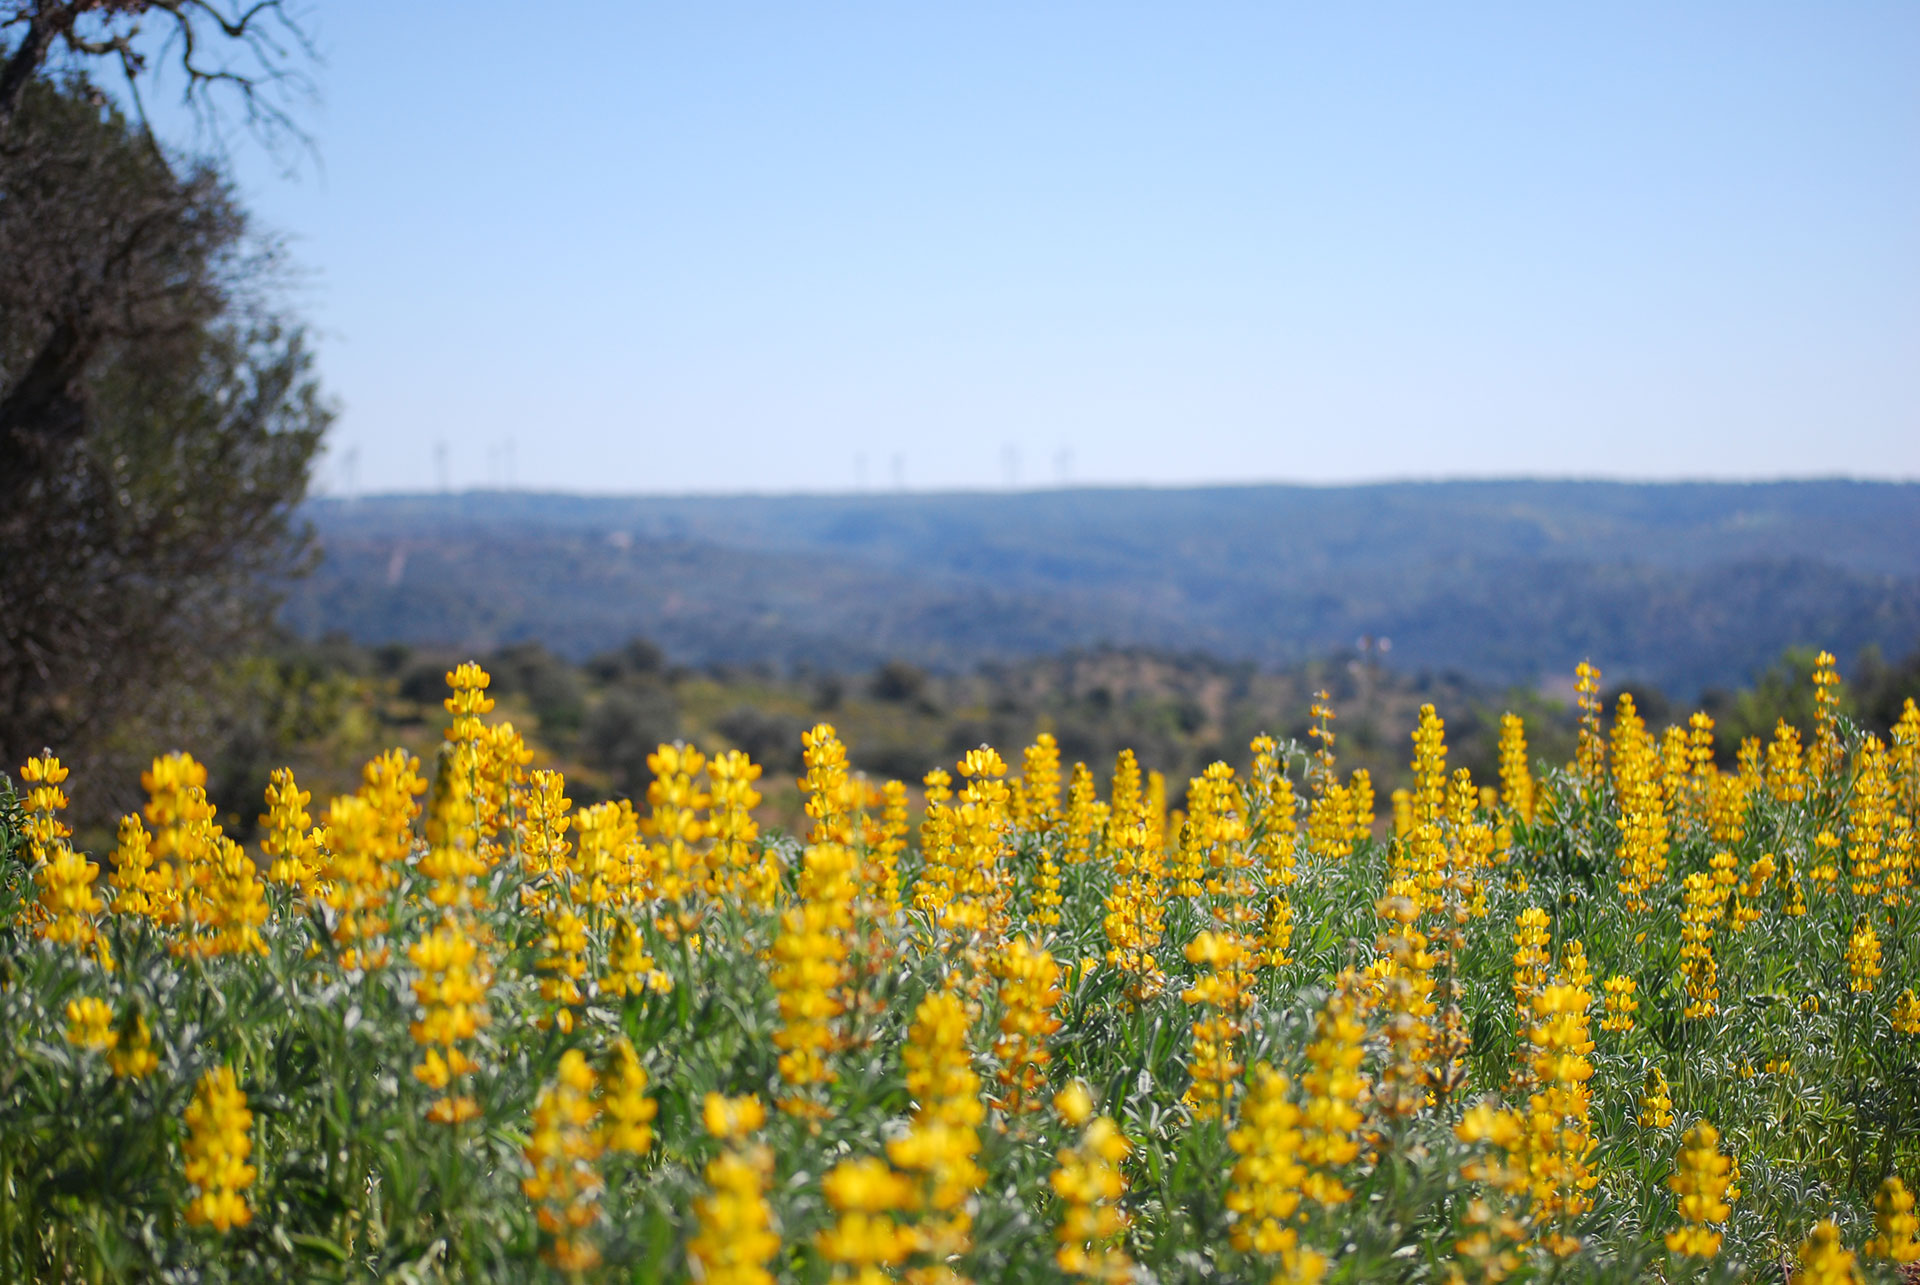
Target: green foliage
[11,821]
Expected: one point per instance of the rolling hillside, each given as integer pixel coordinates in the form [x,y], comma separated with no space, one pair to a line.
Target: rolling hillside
[1683,585]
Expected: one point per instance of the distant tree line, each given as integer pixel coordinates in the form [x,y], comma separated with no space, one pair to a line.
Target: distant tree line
[326,706]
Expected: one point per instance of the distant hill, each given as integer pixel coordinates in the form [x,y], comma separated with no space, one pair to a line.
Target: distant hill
[1683,585]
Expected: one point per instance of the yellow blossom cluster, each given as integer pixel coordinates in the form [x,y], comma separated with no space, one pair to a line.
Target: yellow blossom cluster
[1089,1184]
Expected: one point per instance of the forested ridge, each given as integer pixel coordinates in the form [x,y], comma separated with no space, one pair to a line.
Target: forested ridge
[1685,586]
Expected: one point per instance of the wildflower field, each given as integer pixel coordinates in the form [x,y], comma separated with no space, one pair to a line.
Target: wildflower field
[1640,1016]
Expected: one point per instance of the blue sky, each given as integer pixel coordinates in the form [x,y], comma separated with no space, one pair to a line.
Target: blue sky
[728,247]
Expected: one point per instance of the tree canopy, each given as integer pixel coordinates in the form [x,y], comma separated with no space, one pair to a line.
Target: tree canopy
[158,418]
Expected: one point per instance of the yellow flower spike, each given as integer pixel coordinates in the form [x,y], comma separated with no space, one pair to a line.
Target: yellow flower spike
[1896,1229]
[1270,808]
[1620,1002]
[1040,773]
[1656,1101]
[562,1147]
[543,829]
[1825,757]
[216,1151]
[1590,754]
[831,795]
[734,1238]
[1863,956]
[1320,764]
[1516,777]
[1082,816]
[1266,1184]
[131,1056]
[561,965]
[1906,1013]
[809,973]
[1135,919]
[1029,991]
[626,1112]
[1222,995]
[674,823]
[287,835]
[1531,962]
[630,967]
[1703,896]
[1701,1179]
[1332,1088]
[468,701]
[866,1241]
[1090,1184]
[1046,890]
[1824,1260]
[90,1024]
[451,992]
[1645,824]
[942,1141]
[735,833]
[67,903]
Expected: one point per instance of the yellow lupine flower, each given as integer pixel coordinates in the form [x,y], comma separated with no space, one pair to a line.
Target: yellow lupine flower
[1090,1184]
[66,903]
[831,795]
[1896,1229]
[1863,956]
[1516,777]
[673,821]
[809,970]
[1029,990]
[468,701]
[132,1057]
[630,968]
[1701,1179]
[1824,1260]
[1082,821]
[1906,1013]
[288,838]
[90,1024]
[216,1151]
[1040,773]
[1620,1003]
[1531,962]
[1221,994]
[1590,753]
[1656,1101]
[942,1141]
[451,991]
[866,1241]
[734,1240]
[562,1146]
[1265,1186]
[1825,756]
[1332,1088]
[626,1112]
[735,865]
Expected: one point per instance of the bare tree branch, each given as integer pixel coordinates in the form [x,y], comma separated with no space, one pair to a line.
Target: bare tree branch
[69,34]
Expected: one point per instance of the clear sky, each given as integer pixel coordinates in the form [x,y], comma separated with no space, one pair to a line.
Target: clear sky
[779,246]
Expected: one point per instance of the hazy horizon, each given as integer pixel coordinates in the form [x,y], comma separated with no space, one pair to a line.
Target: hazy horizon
[1072,487]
